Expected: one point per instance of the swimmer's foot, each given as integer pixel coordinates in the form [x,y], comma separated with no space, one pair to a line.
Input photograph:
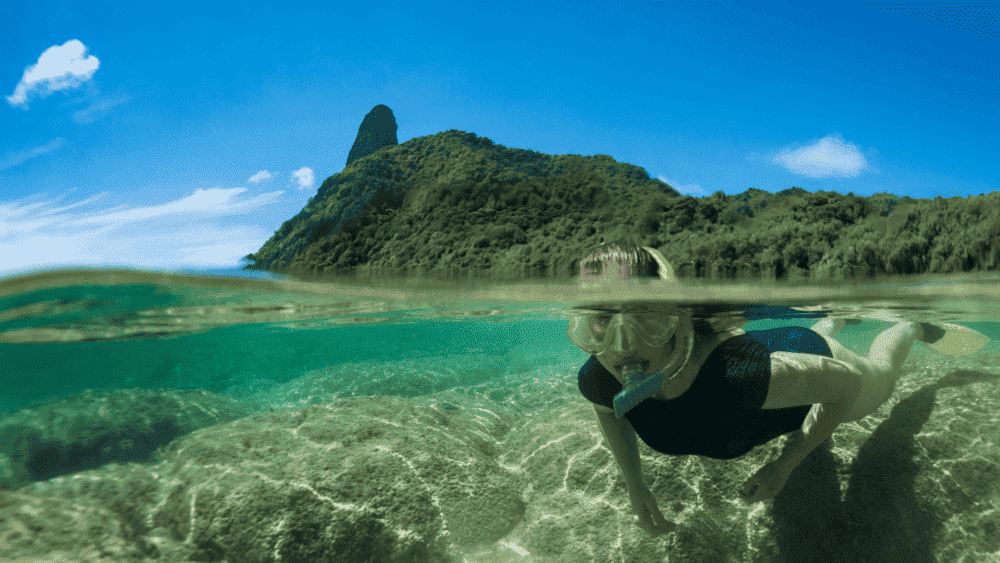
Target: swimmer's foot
[931,333]
[952,339]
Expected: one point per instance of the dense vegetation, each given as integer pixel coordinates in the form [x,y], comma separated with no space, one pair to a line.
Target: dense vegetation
[454,204]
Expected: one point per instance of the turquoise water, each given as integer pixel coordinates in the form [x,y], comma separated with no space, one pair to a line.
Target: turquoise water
[118,376]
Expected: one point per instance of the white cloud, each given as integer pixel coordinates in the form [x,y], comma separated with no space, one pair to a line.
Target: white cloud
[185,233]
[829,156]
[259,177]
[304,177]
[58,68]
[18,158]
[694,190]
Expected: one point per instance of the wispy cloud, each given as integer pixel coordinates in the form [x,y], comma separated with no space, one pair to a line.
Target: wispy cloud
[97,109]
[18,158]
[60,67]
[829,156]
[259,177]
[185,233]
[304,177]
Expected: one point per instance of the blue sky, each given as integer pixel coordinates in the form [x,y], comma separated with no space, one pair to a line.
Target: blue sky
[182,134]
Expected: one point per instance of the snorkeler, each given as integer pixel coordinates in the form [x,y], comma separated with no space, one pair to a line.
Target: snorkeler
[706,387]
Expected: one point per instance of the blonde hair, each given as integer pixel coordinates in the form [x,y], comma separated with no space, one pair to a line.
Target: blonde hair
[621,259]
[625,259]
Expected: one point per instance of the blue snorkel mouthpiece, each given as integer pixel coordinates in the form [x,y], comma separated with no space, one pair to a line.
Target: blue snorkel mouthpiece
[638,387]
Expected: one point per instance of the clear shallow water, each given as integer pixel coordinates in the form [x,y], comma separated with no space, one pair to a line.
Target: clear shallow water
[274,344]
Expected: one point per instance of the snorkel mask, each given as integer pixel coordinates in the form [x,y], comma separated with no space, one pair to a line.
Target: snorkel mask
[621,334]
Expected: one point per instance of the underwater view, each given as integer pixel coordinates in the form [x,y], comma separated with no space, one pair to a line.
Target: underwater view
[189,417]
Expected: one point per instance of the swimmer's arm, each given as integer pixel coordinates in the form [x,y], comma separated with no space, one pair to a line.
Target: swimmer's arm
[621,440]
[819,425]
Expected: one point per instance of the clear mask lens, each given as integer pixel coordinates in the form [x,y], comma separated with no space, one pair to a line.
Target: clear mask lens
[619,334]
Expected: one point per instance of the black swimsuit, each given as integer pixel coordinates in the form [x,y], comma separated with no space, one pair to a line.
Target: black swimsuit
[720,415]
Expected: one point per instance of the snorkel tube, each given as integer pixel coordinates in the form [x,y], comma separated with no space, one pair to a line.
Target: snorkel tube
[639,387]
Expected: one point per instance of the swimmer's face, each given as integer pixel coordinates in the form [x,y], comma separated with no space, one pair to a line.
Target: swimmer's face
[655,356]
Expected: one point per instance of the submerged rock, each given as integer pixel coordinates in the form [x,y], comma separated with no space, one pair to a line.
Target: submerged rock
[66,435]
[518,466]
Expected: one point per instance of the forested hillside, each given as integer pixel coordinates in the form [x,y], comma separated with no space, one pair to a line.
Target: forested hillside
[457,205]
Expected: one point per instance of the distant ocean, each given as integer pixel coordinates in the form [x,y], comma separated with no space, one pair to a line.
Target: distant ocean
[232,273]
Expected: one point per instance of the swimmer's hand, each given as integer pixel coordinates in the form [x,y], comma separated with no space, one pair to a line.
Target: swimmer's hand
[647,513]
[765,483]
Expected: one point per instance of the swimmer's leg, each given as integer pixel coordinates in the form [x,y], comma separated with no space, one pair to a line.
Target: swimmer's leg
[829,327]
[881,369]
[892,346]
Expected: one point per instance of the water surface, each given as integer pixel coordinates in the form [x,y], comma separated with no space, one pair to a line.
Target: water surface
[492,366]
